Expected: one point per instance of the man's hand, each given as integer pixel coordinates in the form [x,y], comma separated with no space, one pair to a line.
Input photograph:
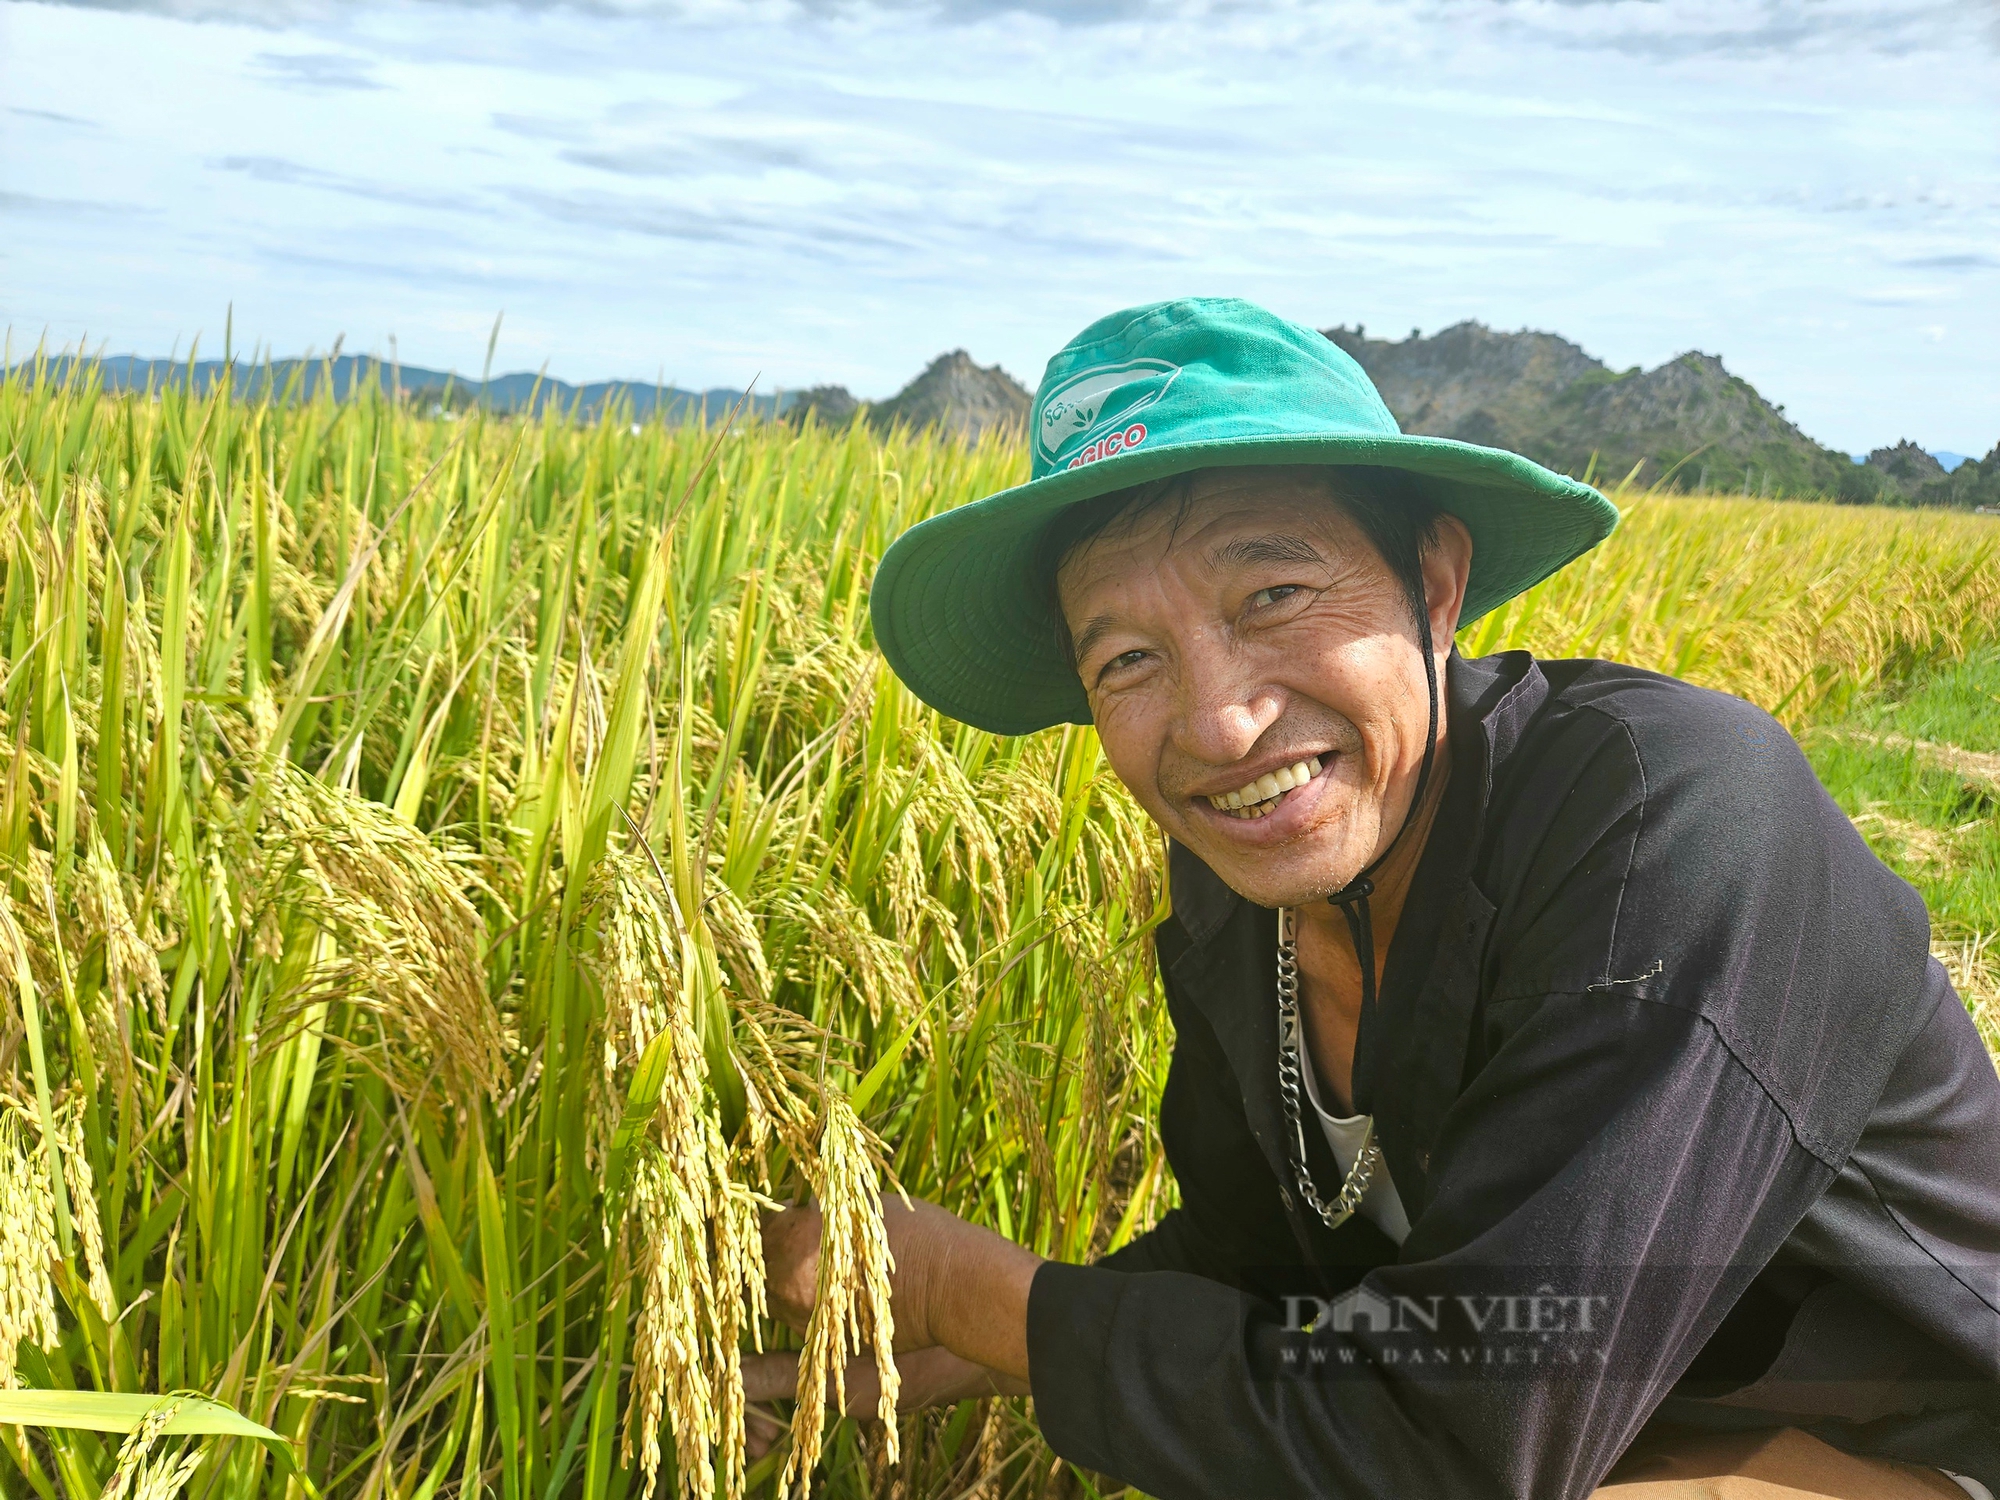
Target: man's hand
[931,1377]
[954,1284]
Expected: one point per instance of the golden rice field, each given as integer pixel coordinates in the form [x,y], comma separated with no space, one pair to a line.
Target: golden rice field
[457,872]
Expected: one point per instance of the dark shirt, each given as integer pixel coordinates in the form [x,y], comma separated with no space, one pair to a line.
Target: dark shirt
[1690,1127]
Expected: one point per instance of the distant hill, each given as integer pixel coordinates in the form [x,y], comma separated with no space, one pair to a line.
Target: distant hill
[953,393]
[958,396]
[505,393]
[831,405]
[1689,424]
[1906,465]
[1970,483]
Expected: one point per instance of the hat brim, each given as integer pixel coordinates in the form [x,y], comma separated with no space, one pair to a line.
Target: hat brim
[962,617]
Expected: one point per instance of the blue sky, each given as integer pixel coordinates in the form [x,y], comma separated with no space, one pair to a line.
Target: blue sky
[836,190]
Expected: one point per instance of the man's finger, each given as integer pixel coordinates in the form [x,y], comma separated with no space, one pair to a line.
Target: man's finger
[791,1263]
[864,1387]
[929,1376]
[762,1428]
[775,1377]
[770,1377]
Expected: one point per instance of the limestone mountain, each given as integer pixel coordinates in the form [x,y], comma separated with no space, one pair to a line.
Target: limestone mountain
[1470,382]
[1909,466]
[832,405]
[953,394]
[959,397]
[1973,484]
[1689,424]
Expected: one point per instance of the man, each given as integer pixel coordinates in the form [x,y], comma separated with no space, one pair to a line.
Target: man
[1561,1088]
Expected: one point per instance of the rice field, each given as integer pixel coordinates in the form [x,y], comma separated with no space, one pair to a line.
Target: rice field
[460,871]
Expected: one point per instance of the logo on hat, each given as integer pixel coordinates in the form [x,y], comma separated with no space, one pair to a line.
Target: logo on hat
[1100,403]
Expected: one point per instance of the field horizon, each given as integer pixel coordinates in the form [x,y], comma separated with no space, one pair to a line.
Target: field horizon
[1688,426]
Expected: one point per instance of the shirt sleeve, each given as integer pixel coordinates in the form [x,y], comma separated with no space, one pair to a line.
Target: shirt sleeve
[1615,1174]
[1672,1180]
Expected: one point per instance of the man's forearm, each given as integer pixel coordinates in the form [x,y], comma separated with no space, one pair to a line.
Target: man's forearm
[977,1298]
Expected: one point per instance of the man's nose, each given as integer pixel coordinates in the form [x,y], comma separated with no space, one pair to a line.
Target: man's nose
[1224,707]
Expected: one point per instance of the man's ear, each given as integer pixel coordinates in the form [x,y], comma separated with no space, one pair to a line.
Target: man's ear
[1447,563]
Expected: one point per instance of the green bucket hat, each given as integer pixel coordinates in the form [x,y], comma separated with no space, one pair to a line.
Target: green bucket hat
[958,606]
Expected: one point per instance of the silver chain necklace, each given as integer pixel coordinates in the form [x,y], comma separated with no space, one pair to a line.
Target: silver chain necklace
[1355,1188]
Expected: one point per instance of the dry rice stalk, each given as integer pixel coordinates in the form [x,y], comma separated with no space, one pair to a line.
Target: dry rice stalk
[809,668]
[25,935]
[1981,768]
[739,1265]
[1017,1088]
[1920,846]
[1973,961]
[1097,986]
[851,1302]
[1022,803]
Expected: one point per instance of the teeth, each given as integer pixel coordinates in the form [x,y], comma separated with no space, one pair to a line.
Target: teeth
[1256,799]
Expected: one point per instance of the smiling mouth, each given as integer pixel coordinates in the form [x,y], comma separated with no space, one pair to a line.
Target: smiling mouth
[1260,798]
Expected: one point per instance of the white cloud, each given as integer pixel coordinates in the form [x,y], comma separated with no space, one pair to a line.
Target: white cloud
[318,70]
[838,189]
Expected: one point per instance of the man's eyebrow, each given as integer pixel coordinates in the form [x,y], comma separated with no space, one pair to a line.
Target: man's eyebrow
[1276,547]
[1091,633]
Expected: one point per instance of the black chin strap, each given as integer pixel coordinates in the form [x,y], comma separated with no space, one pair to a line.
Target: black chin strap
[1352,898]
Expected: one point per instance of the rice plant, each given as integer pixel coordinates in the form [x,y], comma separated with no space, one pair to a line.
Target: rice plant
[459,873]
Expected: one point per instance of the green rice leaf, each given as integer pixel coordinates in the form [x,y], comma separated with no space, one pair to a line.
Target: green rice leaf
[120,1412]
[116,1411]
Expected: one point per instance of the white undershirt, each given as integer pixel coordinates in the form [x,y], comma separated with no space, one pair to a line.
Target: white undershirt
[1381,1206]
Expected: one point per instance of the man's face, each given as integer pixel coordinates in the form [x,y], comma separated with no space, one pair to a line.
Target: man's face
[1256,644]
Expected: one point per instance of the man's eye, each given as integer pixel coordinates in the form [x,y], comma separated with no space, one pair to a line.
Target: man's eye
[1119,663]
[1273,595]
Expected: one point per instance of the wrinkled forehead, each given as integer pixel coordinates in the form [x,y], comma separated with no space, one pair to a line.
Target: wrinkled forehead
[1217,518]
